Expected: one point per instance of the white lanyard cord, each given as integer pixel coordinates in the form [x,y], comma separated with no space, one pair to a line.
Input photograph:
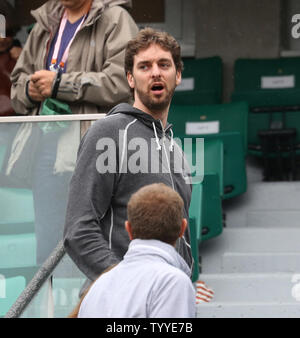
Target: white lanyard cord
[58,43]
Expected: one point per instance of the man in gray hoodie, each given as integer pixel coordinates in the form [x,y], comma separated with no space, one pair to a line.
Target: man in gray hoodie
[131,147]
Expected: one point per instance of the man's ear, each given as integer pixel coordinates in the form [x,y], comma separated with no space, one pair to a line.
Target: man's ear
[130,80]
[128,229]
[183,227]
[178,77]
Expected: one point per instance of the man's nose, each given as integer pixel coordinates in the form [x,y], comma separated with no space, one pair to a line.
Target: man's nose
[155,71]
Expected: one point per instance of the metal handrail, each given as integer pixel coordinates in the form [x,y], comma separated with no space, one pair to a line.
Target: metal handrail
[58,253]
[50,118]
[37,282]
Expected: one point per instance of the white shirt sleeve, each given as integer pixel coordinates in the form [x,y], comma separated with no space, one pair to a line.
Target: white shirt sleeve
[174,297]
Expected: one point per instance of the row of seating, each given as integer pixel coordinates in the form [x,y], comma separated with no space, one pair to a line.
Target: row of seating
[262,119]
[270,87]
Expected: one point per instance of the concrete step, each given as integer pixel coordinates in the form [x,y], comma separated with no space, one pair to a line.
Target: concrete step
[257,240]
[247,241]
[260,262]
[282,219]
[248,310]
[252,242]
[265,204]
[254,288]
[254,266]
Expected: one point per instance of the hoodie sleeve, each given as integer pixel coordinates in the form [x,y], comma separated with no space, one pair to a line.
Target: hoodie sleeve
[90,196]
[174,298]
[109,86]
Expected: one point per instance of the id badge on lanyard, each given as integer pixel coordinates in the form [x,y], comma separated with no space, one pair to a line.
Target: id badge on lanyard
[64,58]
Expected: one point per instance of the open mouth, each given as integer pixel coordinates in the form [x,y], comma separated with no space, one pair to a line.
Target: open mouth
[157,88]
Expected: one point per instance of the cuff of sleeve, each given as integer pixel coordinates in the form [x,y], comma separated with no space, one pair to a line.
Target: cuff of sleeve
[56,84]
[28,96]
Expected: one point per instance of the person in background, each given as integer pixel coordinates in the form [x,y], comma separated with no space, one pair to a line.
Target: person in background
[74,55]
[152,280]
[10,50]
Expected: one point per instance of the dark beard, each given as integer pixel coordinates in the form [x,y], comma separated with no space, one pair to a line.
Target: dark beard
[153,105]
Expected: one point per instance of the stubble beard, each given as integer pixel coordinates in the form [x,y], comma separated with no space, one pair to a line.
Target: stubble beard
[155,104]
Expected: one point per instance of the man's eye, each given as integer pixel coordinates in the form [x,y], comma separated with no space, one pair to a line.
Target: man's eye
[144,67]
[164,65]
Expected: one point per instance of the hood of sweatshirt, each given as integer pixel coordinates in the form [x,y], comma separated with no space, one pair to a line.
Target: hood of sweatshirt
[156,250]
[146,119]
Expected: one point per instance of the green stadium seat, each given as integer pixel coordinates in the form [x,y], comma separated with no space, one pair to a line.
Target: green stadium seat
[212,225]
[267,105]
[267,82]
[10,290]
[18,255]
[271,87]
[234,168]
[201,81]
[196,211]
[206,203]
[194,247]
[205,216]
[209,119]
[16,211]
[227,122]
[17,251]
[231,167]
[214,161]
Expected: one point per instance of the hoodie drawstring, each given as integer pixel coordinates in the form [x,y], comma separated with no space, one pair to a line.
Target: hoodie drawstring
[156,137]
[172,141]
[171,147]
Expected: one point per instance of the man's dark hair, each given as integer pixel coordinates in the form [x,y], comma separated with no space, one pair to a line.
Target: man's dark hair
[147,37]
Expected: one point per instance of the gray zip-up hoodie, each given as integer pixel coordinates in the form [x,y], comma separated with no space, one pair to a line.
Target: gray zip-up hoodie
[119,154]
[151,282]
